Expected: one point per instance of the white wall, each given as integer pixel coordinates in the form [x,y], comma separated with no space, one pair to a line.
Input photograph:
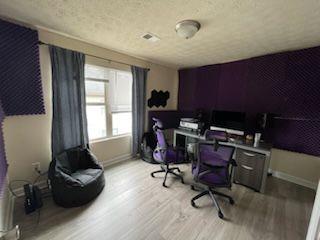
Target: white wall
[300,168]
[28,138]
[6,208]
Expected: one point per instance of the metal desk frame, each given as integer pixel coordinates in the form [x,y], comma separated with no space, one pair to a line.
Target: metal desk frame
[262,149]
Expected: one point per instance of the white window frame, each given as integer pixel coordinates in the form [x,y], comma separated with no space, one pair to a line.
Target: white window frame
[107,105]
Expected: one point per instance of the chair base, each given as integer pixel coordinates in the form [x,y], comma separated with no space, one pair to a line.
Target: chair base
[212,194]
[166,169]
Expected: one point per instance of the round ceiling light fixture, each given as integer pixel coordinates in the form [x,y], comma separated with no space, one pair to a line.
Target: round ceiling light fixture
[187,28]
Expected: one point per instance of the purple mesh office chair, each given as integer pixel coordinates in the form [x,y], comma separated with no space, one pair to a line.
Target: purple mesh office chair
[216,135]
[211,135]
[166,155]
[213,168]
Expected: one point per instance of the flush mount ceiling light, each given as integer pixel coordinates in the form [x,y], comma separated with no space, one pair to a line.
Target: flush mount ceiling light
[187,28]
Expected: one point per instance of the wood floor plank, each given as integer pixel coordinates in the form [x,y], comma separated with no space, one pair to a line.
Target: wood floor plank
[135,206]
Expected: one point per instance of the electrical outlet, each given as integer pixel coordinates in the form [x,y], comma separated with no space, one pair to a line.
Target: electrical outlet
[36,166]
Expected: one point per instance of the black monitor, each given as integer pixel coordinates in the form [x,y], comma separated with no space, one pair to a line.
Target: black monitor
[230,120]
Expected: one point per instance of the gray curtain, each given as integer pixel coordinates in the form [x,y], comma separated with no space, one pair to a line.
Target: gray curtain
[69,122]
[138,106]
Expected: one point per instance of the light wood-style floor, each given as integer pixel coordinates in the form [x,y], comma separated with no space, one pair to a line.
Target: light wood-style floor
[135,206]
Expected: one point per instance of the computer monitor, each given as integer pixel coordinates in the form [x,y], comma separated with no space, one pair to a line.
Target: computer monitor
[228,120]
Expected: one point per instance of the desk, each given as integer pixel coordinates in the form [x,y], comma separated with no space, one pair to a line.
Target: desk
[253,162]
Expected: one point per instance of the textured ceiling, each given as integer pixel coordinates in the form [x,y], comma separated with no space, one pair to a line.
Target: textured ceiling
[231,29]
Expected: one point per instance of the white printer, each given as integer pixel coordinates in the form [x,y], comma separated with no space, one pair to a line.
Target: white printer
[190,124]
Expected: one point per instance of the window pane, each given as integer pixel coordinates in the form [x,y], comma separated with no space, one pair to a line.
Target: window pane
[96,116]
[121,123]
[98,72]
[120,92]
[95,92]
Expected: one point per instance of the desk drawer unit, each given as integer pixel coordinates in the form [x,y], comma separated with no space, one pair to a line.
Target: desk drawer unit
[250,169]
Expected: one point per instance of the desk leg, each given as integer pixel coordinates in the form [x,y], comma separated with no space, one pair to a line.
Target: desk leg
[265,173]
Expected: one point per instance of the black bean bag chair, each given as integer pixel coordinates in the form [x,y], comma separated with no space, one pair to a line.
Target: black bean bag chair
[76,177]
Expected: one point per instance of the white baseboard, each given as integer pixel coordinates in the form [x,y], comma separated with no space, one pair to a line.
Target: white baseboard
[9,213]
[314,224]
[115,160]
[7,205]
[293,179]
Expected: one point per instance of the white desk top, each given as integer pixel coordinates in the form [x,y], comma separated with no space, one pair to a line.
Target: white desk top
[262,148]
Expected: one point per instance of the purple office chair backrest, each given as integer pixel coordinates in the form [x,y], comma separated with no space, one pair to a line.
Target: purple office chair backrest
[216,135]
[221,158]
[158,129]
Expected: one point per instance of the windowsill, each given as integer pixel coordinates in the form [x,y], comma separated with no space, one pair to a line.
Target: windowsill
[109,138]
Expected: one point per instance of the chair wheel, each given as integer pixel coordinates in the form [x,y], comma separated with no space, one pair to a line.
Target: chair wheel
[193,188]
[178,170]
[220,214]
[231,201]
[193,204]
[152,175]
[164,185]
[182,181]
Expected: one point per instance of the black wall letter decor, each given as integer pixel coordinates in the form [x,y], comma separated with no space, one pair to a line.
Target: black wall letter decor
[158,98]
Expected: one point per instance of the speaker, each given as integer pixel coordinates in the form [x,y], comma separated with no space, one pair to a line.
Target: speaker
[265,121]
[264,125]
[204,117]
[261,121]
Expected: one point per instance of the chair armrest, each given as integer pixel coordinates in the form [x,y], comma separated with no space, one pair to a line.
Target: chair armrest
[201,174]
[211,169]
[217,164]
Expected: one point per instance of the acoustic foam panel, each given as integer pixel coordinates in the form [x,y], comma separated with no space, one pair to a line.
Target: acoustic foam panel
[158,98]
[286,84]
[20,85]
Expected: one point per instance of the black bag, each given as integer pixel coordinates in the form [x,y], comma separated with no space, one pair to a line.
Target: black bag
[148,144]
[76,177]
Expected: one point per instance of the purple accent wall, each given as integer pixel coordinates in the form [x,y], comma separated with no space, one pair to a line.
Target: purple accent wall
[188,86]
[287,84]
[20,85]
[207,87]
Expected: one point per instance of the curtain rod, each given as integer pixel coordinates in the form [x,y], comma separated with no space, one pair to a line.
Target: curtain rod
[109,60]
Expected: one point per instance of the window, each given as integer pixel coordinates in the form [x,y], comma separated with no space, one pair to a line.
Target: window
[108,99]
